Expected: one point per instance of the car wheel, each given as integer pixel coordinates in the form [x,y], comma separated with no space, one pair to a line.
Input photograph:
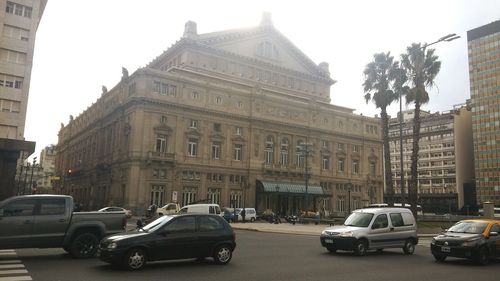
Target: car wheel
[252,219]
[439,258]
[223,254]
[482,257]
[331,249]
[135,259]
[409,247]
[360,248]
[84,245]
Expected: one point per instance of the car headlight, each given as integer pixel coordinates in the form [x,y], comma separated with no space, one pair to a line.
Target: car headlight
[472,242]
[112,245]
[433,241]
[346,234]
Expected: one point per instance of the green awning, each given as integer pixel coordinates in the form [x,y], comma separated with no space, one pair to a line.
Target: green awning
[284,187]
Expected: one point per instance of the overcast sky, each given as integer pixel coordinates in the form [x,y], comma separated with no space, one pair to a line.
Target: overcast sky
[82,45]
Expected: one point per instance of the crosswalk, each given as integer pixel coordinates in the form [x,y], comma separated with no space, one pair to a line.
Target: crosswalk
[11,268]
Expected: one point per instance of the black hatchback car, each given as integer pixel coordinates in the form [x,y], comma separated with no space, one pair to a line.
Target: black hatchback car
[171,237]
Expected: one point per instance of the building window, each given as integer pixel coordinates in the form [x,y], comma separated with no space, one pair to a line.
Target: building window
[193,124]
[217,127]
[216,150]
[12,56]
[341,167]
[340,146]
[218,100]
[372,168]
[324,144]
[18,9]
[238,131]
[16,33]
[192,147]
[9,81]
[355,148]
[188,196]
[163,119]
[284,152]
[235,199]
[213,195]
[325,163]
[195,95]
[161,143]
[238,150]
[355,166]
[300,161]
[269,150]
[157,193]
[340,203]
[240,104]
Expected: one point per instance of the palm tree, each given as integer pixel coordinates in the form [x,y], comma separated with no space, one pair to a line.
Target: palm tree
[377,86]
[422,68]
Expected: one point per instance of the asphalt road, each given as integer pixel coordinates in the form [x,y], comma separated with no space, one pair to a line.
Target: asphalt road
[260,257]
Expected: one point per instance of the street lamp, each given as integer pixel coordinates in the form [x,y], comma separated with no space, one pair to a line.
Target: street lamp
[349,187]
[447,38]
[306,149]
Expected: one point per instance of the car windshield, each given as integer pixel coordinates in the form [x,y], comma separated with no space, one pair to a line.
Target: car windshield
[468,227]
[359,219]
[157,223]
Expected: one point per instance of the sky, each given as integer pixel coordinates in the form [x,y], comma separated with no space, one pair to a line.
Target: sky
[82,45]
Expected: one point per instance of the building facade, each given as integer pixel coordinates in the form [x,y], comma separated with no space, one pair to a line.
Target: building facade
[239,118]
[445,164]
[19,21]
[46,175]
[484,75]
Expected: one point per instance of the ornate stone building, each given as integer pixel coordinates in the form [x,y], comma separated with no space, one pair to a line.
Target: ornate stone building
[232,117]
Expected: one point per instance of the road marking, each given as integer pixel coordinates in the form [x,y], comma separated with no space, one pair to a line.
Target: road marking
[11,268]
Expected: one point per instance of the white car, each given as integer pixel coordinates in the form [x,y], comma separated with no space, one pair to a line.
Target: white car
[250,214]
[128,213]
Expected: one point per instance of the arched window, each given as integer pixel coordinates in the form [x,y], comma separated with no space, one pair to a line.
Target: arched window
[269,150]
[284,152]
[300,154]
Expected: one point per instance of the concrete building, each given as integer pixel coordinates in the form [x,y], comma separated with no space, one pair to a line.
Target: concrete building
[236,117]
[19,21]
[484,75]
[445,166]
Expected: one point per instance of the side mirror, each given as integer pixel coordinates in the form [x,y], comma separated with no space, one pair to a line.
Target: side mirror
[493,233]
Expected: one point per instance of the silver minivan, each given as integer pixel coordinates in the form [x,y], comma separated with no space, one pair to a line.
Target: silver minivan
[373,229]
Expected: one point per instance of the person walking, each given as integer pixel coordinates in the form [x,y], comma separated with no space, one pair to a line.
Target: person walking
[243,213]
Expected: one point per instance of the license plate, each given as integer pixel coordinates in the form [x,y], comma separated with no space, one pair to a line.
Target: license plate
[330,241]
[445,249]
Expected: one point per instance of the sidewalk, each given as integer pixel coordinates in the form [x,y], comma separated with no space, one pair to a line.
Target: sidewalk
[305,229]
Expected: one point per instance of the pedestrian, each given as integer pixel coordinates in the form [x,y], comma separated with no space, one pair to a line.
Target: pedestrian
[243,213]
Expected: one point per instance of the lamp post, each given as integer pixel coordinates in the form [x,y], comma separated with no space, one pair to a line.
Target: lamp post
[306,149]
[412,195]
[349,187]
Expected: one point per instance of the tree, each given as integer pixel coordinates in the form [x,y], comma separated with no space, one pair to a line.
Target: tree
[379,75]
[422,68]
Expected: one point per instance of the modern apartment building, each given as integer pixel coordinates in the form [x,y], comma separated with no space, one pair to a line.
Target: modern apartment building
[445,166]
[239,117]
[484,75]
[19,21]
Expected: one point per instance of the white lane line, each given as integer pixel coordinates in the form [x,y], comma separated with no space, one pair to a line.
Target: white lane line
[3,251]
[13,271]
[4,254]
[9,261]
[17,265]
[16,278]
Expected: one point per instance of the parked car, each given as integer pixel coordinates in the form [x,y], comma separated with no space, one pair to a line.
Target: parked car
[228,215]
[202,208]
[373,229]
[48,221]
[250,214]
[128,213]
[168,209]
[171,237]
[476,239]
